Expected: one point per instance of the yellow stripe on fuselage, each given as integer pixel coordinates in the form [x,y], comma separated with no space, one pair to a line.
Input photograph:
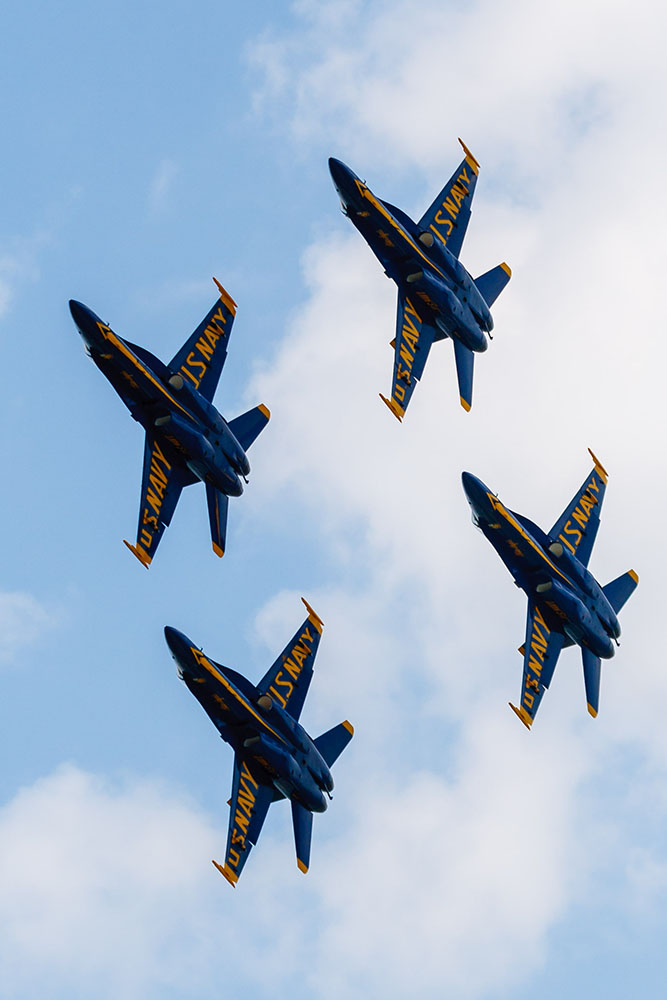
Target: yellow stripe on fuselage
[497,505]
[366,193]
[126,352]
[204,662]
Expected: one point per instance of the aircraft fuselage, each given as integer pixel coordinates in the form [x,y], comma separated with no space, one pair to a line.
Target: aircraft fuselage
[257,728]
[166,405]
[419,263]
[568,596]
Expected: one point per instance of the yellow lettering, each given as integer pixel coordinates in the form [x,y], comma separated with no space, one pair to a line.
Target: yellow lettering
[569,530]
[205,349]
[245,771]
[458,194]
[157,453]
[593,485]
[277,695]
[579,517]
[292,668]
[399,393]
[449,205]
[306,635]
[233,857]
[440,220]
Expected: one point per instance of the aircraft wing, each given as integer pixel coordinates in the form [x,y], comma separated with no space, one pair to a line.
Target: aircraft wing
[202,357]
[289,678]
[249,805]
[578,525]
[449,215]
[161,487]
[540,653]
[411,348]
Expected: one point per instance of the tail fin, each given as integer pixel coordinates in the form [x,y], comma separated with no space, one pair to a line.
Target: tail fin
[302,820]
[218,505]
[619,590]
[591,680]
[491,284]
[332,743]
[250,425]
[465,361]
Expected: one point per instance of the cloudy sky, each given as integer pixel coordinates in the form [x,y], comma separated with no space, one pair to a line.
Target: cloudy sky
[150,146]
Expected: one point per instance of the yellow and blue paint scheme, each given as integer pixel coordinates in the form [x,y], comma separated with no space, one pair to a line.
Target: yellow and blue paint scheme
[437,297]
[566,604]
[187,440]
[274,757]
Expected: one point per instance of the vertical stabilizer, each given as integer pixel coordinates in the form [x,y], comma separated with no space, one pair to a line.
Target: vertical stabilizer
[302,820]
[591,680]
[218,505]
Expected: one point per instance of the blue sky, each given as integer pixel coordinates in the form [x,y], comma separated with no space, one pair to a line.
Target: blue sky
[149,147]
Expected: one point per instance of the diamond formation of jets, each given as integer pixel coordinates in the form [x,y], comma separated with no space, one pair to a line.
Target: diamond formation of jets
[566,604]
[274,757]
[187,440]
[437,298]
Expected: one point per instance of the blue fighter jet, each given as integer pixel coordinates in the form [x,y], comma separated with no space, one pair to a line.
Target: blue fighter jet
[437,298]
[186,438]
[566,604]
[274,757]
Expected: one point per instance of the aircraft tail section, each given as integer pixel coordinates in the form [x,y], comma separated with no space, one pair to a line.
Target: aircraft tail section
[218,505]
[618,591]
[491,283]
[591,680]
[247,428]
[332,743]
[465,361]
[302,820]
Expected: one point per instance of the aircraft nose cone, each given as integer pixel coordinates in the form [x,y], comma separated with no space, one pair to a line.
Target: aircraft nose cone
[340,174]
[178,643]
[80,314]
[470,484]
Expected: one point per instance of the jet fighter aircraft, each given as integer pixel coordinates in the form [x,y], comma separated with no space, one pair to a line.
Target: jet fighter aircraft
[186,438]
[566,604]
[437,298]
[274,757]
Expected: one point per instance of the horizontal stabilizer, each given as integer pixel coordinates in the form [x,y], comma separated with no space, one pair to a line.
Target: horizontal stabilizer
[618,591]
[302,820]
[332,743]
[491,284]
[591,680]
[250,425]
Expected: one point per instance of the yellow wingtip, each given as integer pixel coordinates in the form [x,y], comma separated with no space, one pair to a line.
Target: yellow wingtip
[465,404]
[313,616]
[218,551]
[349,727]
[302,868]
[598,466]
[522,650]
[226,298]
[507,269]
[471,159]
[522,714]
[140,553]
[265,410]
[592,711]
[397,410]
[231,876]
[633,575]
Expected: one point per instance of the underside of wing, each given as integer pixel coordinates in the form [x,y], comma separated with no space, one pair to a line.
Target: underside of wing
[201,358]
[249,805]
[449,215]
[161,487]
[540,653]
[411,349]
[578,525]
[288,679]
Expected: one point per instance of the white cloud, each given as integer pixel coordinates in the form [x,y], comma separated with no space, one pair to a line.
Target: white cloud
[499,832]
[23,619]
[162,184]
